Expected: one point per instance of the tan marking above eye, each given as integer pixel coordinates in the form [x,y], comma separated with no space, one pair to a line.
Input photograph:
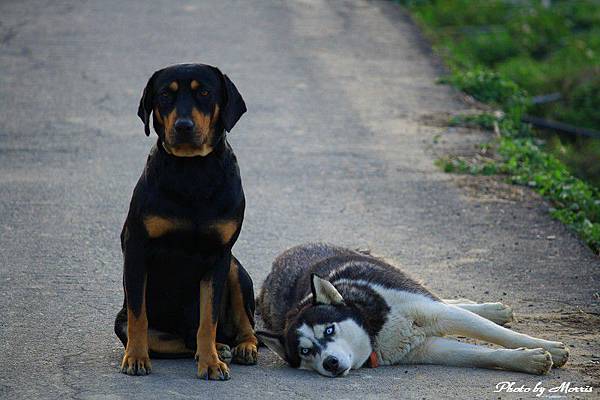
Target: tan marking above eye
[226,229]
[194,85]
[174,86]
[157,226]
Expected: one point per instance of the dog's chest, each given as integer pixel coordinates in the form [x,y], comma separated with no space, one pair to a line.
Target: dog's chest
[218,230]
[405,328]
[157,226]
[185,219]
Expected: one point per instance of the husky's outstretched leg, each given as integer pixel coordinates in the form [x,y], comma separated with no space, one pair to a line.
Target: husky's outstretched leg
[495,312]
[446,351]
[453,320]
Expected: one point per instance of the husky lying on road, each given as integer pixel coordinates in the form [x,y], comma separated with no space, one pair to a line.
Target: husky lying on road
[332,309]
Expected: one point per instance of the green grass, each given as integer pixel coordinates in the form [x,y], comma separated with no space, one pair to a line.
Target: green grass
[575,202]
[500,52]
[542,50]
[483,120]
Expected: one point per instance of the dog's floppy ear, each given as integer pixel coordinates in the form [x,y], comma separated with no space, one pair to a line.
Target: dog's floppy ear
[273,342]
[324,292]
[233,103]
[145,108]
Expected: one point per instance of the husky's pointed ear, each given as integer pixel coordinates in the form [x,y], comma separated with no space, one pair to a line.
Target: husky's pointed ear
[233,103]
[145,108]
[273,342]
[324,292]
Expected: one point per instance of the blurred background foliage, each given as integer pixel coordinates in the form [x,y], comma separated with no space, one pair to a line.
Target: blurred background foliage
[528,57]
[544,47]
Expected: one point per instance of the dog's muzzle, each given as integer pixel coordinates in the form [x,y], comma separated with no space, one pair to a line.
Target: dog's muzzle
[332,364]
[184,126]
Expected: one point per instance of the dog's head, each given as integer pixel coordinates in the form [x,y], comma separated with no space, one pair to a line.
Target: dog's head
[326,335]
[192,105]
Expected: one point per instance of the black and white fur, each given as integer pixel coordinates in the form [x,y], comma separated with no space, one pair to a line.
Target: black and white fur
[328,308]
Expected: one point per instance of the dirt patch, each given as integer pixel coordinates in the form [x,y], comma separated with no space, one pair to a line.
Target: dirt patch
[493,189]
[579,330]
[439,119]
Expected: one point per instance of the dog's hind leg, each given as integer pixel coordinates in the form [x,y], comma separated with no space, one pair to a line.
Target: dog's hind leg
[496,312]
[453,320]
[241,308]
[166,345]
[446,351]
[160,344]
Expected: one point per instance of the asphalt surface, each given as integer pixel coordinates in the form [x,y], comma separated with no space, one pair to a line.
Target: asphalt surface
[336,146]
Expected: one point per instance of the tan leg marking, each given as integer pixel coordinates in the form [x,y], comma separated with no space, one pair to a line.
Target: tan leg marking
[246,350]
[136,360]
[209,365]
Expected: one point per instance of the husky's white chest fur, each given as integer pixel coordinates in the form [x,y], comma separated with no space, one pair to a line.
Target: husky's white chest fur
[408,322]
[407,325]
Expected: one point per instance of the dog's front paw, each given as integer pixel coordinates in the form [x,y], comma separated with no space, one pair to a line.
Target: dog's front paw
[212,368]
[245,353]
[224,353]
[559,352]
[136,363]
[534,361]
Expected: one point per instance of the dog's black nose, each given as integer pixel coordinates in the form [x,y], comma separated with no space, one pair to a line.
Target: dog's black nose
[184,125]
[331,364]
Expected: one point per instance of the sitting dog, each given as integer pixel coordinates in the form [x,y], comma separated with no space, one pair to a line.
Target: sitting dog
[331,310]
[185,294]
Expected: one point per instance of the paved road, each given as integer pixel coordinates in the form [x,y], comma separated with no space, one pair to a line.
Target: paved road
[336,146]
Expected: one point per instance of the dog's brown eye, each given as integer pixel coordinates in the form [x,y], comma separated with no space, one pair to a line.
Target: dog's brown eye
[203,93]
[164,97]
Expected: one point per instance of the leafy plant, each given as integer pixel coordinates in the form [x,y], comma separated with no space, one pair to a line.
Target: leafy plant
[497,51]
[576,203]
[484,120]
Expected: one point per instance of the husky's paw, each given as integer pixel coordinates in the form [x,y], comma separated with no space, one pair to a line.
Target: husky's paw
[224,353]
[498,313]
[559,352]
[245,353]
[135,363]
[533,361]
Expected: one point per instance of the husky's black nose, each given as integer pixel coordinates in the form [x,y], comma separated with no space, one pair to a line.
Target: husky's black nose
[331,364]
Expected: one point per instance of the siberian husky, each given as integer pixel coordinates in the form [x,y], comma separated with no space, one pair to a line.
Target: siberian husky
[332,309]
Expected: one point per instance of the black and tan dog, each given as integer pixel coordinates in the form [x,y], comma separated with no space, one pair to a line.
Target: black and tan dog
[185,293]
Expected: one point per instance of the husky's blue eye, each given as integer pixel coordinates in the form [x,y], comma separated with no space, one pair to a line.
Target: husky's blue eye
[330,330]
[305,351]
